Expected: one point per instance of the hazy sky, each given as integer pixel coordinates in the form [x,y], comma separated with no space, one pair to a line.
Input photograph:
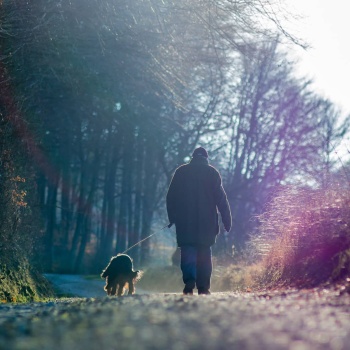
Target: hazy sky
[326,26]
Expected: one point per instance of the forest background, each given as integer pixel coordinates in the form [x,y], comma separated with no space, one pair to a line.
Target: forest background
[102,100]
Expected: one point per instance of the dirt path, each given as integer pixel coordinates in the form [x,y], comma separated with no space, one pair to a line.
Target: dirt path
[77,285]
[294,320]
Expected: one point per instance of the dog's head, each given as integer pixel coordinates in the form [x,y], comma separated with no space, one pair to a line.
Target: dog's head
[137,275]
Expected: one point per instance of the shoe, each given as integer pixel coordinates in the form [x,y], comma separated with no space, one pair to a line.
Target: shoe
[203,291]
[187,291]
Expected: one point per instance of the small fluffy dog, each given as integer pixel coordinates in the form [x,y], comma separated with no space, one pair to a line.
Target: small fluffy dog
[118,273]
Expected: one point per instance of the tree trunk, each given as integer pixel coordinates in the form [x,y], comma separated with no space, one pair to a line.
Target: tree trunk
[87,210]
[137,217]
[51,221]
[106,249]
[125,206]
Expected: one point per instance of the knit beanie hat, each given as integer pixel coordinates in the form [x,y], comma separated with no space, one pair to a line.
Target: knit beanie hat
[200,151]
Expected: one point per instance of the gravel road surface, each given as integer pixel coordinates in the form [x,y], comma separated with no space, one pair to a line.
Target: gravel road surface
[295,320]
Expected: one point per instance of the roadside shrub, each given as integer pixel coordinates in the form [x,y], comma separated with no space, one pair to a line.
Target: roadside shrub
[305,236]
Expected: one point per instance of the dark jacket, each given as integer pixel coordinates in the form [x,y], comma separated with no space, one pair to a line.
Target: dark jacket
[195,193]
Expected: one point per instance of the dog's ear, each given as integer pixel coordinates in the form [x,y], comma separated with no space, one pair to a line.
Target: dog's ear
[106,271]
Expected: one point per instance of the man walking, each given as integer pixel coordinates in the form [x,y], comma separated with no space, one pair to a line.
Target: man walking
[194,196]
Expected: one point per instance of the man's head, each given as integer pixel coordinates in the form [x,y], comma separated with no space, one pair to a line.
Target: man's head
[200,152]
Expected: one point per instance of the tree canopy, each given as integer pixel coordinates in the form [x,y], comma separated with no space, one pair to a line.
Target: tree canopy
[102,100]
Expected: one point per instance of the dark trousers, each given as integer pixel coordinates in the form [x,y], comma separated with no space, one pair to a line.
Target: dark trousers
[196,267]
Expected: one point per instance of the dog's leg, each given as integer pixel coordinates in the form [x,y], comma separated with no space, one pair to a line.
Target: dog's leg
[107,288]
[113,288]
[131,287]
[120,289]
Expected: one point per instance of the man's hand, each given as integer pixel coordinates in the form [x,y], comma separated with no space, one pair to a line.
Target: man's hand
[227,228]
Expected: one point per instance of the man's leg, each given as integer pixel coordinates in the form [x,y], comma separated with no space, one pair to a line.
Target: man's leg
[188,268]
[204,269]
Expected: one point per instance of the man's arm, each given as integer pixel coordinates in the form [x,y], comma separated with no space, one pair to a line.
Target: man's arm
[171,199]
[223,204]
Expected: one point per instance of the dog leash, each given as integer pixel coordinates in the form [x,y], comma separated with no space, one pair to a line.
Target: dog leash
[167,225]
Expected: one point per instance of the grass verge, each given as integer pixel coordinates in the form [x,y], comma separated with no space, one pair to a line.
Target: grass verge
[305,237]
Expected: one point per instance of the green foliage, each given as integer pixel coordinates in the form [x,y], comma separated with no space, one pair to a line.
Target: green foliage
[20,282]
[307,232]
